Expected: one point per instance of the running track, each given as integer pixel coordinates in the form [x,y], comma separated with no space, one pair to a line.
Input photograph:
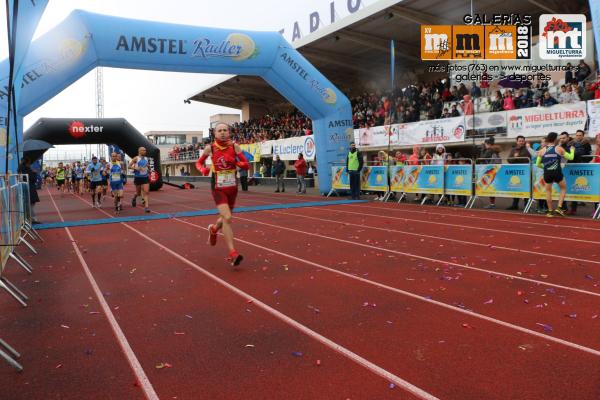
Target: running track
[395,301]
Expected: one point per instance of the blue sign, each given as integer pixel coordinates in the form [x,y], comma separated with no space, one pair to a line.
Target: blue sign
[428,179]
[457,180]
[503,180]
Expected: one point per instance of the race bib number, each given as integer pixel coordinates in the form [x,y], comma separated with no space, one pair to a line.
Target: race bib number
[115,177]
[143,170]
[226,179]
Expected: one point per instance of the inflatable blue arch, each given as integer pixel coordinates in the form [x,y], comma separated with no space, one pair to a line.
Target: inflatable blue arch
[85,40]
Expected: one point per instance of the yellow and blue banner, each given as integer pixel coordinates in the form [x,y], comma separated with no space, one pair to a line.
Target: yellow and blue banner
[582,180]
[253,149]
[5,225]
[340,178]
[457,180]
[503,180]
[397,178]
[428,179]
[374,179]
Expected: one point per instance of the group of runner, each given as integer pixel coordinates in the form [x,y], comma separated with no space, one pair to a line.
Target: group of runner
[98,175]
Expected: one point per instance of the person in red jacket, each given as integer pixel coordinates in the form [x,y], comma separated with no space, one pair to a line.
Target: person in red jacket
[300,166]
[226,156]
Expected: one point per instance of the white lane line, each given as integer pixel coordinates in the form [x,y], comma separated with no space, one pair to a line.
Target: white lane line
[127,350]
[469,226]
[460,215]
[487,271]
[399,382]
[434,237]
[412,295]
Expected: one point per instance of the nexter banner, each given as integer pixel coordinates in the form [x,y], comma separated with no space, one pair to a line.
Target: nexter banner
[374,178]
[457,180]
[340,178]
[582,180]
[428,179]
[506,180]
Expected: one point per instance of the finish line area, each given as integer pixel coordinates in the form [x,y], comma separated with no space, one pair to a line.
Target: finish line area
[335,299]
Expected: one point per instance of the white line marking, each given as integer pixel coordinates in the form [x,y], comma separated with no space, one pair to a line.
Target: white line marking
[471,227]
[462,214]
[487,271]
[433,237]
[291,322]
[127,350]
[415,296]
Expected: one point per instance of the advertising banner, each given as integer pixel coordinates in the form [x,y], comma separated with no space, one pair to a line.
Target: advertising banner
[397,178]
[288,149]
[428,179]
[340,178]
[266,148]
[447,130]
[457,180]
[374,179]
[583,183]
[487,120]
[539,121]
[503,180]
[593,108]
[253,149]
[374,136]
[5,226]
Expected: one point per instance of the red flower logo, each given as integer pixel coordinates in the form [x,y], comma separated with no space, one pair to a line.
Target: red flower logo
[77,130]
[556,25]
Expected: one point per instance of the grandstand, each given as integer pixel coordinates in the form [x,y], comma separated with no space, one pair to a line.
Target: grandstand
[354,54]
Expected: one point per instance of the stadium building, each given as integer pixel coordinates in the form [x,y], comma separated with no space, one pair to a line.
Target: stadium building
[354,53]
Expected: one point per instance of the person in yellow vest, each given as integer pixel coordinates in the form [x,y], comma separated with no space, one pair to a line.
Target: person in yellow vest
[61,174]
[354,164]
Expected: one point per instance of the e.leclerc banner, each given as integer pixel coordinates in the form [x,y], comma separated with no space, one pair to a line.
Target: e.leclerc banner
[457,180]
[428,179]
[539,121]
[288,149]
[340,178]
[503,180]
[582,180]
[374,179]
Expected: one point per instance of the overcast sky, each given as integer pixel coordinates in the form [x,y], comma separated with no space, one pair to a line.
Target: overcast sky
[152,100]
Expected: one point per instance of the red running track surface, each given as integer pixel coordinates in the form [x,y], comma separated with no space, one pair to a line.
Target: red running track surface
[445,303]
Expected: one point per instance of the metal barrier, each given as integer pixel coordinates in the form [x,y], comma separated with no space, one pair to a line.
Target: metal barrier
[373,178]
[6,248]
[582,181]
[458,180]
[493,179]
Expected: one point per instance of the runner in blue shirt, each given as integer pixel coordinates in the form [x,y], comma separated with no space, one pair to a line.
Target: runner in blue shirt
[115,175]
[78,174]
[141,179]
[95,170]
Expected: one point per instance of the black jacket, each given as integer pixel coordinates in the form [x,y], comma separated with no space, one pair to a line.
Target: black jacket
[279,167]
[582,149]
[360,160]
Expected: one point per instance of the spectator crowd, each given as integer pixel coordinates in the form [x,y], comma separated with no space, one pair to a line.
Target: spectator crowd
[428,100]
